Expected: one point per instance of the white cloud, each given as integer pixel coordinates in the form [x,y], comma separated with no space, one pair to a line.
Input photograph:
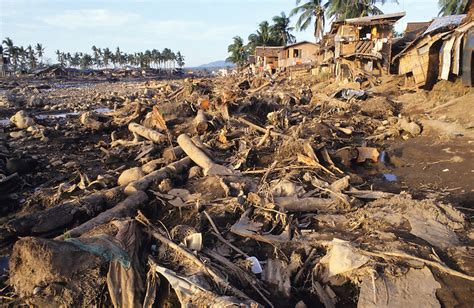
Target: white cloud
[189,30]
[86,18]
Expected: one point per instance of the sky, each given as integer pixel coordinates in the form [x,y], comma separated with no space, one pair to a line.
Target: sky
[200,29]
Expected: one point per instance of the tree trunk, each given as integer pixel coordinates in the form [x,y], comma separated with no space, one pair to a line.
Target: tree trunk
[61,215]
[126,208]
[200,158]
[147,133]
[157,176]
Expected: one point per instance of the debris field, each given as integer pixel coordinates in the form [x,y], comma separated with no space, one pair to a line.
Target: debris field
[236,191]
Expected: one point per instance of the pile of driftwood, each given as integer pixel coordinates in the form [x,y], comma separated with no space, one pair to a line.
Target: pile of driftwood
[241,192]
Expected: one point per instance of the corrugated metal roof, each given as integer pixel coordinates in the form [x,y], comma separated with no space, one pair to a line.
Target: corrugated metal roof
[415,26]
[368,19]
[445,22]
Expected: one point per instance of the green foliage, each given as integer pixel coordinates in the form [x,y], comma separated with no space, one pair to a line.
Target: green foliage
[343,9]
[24,59]
[314,12]
[238,51]
[451,7]
[282,30]
[310,13]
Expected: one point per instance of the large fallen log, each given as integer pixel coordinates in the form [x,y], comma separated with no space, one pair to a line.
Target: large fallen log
[200,158]
[125,208]
[295,204]
[157,176]
[62,215]
[147,133]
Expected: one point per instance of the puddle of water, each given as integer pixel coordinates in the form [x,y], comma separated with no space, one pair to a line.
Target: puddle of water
[55,116]
[65,114]
[4,122]
[3,265]
[390,177]
[383,157]
[103,110]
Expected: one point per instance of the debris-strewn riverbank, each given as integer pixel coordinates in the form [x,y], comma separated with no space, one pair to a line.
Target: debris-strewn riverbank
[236,191]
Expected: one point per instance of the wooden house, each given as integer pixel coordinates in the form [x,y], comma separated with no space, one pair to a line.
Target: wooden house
[436,53]
[325,56]
[297,54]
[267,56]
[363,45]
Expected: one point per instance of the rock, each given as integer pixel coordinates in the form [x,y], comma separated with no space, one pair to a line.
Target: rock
[130,175]
[34,101]
[49,273]
[195,172]
[409,127]
[22,120]
[94,121]
[18,134]
[367,153]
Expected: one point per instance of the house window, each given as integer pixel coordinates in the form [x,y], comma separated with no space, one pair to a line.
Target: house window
[297,53]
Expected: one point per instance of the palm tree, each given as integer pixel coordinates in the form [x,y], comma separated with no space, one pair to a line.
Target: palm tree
[452,7]
[76,60]
[167,57]
[9,44]
[97,54]
[107,54]
[343,9]
[86,61]
[31,57]
[238,51]
[313,10]
[22,55]
[147,58]
[264,36]
[11,52]
[281,28]
[40,52]
[173,59]
[180,59]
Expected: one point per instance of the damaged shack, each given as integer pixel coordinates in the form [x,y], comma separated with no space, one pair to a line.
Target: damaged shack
[363,45]
[442,51]
[56,70]
[266,57]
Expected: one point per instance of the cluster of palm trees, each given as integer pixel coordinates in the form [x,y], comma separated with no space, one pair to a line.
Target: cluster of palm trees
[106,58]
[313,13]
[276,34]
[20,59]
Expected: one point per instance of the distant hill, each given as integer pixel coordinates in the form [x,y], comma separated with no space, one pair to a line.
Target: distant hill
[217,64]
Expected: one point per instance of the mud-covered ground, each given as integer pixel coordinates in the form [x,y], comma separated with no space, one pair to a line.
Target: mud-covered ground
[343,200]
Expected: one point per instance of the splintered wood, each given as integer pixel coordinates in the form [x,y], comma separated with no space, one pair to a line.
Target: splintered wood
[244,191]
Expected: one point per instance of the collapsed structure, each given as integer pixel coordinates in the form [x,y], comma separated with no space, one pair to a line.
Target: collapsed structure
[366,48]
[438,53]
[364,45]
